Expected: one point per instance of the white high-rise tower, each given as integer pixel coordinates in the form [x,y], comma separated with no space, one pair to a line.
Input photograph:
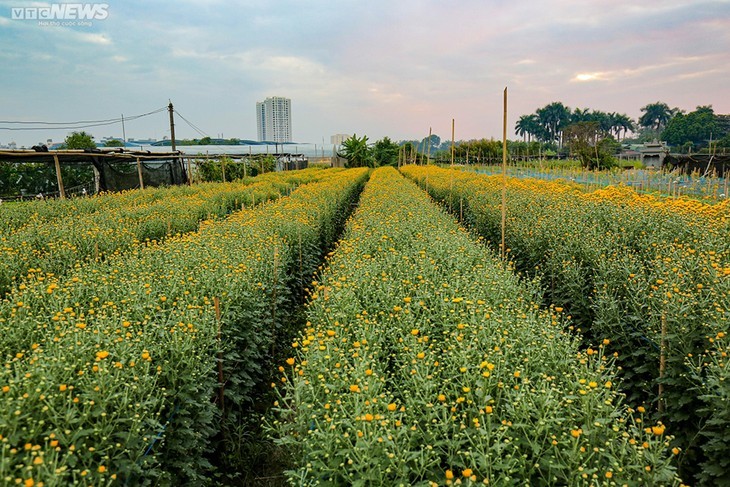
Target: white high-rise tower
[273,119]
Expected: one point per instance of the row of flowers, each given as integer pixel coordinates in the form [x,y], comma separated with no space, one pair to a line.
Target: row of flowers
[651,274]
[426,362]
[53,236]
[134,368]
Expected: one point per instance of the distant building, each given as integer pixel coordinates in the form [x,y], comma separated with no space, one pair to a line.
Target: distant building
[653,154]
[273,119]
[338,139]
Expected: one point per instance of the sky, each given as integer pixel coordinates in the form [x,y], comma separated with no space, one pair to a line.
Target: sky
[377,67]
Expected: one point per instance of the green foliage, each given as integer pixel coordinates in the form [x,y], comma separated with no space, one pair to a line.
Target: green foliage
[385,152]
[30,179]
[724,142]
[95,228]
[657,115]
[126,377]
[409,153]
[79,140]
[548,123]
[482,151]
[590,145]
[357,152]
[644,273]
[425,359]
[212,169]
[113,143]
[696,127]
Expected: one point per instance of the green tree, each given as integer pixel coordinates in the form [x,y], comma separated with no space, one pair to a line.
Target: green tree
[528,126]
[553,118]
[79,140]
[424,146]
[656,115]
[592,145]
[696,127]
[357,152]
[385,152]
[113,143]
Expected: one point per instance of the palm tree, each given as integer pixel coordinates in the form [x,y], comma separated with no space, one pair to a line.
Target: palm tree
[656,115]
[554,118]
[357,152]
[529,126]
[580,115]
[622,123]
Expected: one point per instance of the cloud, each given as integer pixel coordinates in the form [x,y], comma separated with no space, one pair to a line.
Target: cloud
[93,38]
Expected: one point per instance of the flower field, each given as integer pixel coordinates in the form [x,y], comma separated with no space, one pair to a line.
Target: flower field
[134,368]
[53,236]
[425,362]
[650,274]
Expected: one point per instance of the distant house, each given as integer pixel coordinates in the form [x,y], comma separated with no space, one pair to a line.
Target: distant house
[653,154]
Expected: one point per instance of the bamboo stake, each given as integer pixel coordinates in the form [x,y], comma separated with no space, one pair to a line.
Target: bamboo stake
[504,173]
[139,173]
[190,173]
[59,178]
[452,142]
[427,160]
[428,144]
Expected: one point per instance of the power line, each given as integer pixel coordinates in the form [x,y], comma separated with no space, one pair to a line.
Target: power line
[75,125]
[194,127]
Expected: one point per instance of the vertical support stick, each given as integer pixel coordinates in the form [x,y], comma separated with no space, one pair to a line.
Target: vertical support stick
[59,178]
[190,173]
[504,173]
[221,387]
[139,173]
[452,142]
[428,144]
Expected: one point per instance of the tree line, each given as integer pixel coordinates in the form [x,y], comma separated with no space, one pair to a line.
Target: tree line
[693,131]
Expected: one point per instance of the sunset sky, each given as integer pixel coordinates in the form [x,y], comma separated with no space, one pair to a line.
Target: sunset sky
[372,67]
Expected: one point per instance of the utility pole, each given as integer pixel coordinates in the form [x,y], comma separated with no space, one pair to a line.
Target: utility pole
[124,133]
[172,126]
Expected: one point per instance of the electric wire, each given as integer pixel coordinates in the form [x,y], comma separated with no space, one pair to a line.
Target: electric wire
[193,126]
[76,125]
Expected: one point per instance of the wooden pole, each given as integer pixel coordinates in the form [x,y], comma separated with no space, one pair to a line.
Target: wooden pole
[139,173]
[504,173]
[59,178]
[452,142]
[428,144]
[190,173]
[172,126]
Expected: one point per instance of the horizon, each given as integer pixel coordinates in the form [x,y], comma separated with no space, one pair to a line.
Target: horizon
[357,68]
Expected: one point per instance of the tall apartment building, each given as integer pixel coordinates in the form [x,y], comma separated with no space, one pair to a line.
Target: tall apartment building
[338,139]
[273,119]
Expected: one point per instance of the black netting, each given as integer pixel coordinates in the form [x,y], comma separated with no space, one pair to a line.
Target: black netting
[118,176]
